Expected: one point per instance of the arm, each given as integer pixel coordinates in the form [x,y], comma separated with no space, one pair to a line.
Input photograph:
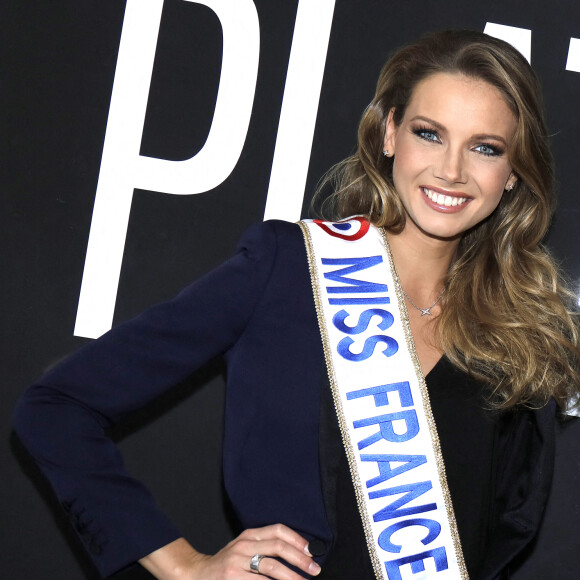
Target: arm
[63,420]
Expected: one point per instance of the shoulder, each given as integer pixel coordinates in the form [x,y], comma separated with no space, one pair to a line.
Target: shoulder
[271,232]
[272,239]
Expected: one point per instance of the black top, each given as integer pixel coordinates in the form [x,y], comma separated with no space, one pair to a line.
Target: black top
[467,433]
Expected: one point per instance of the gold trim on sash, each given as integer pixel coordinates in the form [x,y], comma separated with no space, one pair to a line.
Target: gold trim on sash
[350,453]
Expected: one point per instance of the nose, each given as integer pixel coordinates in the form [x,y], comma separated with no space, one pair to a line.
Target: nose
[451,166]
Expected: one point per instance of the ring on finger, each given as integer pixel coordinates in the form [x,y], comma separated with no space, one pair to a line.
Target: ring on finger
[255,563]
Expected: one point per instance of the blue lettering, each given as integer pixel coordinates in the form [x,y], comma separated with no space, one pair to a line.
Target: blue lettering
[380,394]
[355,264]
[368,347]
[417,564]
[411,491]
[386,429]
[384,464]
[363,320]
[433,527]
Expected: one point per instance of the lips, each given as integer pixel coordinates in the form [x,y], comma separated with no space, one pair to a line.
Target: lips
[443,200]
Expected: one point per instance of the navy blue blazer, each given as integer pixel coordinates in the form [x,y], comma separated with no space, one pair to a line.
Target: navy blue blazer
[257,309]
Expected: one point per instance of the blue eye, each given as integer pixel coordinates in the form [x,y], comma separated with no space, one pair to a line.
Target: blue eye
[427,134]
[488,150]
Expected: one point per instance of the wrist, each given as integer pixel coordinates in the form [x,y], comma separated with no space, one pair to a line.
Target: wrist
[175,561]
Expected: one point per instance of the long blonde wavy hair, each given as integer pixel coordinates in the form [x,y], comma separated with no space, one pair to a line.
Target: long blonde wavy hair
[506,315]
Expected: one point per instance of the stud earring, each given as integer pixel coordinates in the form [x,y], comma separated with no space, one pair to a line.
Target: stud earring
[386,152]
[510,187]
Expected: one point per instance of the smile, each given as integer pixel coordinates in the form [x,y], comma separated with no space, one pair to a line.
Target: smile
[442,199]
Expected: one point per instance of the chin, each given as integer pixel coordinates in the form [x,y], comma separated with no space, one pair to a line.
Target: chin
[444,235]
[441,231]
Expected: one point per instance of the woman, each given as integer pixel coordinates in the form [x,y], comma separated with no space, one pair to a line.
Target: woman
[453,163]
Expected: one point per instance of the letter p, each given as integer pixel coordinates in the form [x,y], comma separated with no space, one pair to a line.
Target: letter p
[123,168]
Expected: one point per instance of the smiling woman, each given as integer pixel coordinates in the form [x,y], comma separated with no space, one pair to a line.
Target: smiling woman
[392,377]
[451,151]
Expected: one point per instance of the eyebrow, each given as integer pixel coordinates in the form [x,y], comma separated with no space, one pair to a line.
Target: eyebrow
[478,137]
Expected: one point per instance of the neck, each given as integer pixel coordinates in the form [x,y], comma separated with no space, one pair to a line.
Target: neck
[422,262]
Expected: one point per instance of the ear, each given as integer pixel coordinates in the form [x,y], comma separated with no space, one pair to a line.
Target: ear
[390,133]
[511,182]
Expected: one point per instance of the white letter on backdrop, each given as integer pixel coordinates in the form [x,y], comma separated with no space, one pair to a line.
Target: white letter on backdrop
[299,109]
[123,168]
[519,38]
[573,62]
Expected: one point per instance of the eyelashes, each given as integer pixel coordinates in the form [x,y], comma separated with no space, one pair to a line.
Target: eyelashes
[432,136]
[489,150]
[427,134]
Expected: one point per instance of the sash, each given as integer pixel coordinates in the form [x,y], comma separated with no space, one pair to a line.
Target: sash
[382,403]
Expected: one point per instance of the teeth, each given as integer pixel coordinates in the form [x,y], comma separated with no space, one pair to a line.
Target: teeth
[445,200]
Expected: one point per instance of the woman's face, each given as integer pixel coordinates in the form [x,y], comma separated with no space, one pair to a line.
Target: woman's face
[451,150]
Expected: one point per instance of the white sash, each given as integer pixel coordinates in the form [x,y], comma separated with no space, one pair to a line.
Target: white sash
[382,404]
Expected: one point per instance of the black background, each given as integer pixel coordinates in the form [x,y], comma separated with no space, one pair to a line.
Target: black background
[57,64]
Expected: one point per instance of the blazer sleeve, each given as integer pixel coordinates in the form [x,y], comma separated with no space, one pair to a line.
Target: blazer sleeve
[63,419]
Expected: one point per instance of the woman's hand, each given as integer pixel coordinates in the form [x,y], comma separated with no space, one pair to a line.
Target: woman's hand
[179,560]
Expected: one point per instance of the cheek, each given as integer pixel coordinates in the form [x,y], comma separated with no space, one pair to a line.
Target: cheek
[492,191]
[493,184]
[409,162]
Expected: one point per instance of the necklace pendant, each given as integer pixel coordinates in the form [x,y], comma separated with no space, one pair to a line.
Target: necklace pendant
[423,311]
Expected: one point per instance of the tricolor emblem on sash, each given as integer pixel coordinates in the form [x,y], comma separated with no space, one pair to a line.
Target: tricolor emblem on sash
[382,403]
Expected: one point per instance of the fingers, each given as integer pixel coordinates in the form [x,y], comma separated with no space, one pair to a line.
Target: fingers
[274,569]
[233,562]
[278,541]
[279,531]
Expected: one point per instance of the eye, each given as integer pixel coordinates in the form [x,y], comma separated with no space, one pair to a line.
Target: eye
[488,150]
[427,134]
